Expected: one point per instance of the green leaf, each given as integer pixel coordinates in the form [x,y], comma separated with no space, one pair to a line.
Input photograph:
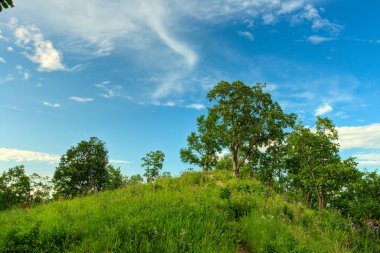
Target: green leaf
[10,3]
[5,5]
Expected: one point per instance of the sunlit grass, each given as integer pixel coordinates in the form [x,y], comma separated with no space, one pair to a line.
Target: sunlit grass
[194,213]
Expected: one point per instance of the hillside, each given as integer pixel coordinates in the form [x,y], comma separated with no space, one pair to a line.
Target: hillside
[196,212]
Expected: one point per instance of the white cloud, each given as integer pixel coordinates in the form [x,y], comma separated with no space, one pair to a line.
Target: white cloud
[2,60]
[246,35]
[196,106]
[51,105]
[170,104]
[269,18]
[316,39]
[368,158]
[365,137]
[10,49]
[120,162]
[326,108]
[81,99]
[151,31]
[26,75]
[44,53]
[17,155]
[312,14]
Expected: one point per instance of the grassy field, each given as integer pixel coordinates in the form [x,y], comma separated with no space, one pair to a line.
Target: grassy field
[193,213]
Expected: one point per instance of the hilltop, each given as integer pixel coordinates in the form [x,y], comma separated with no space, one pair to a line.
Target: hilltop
[196,212]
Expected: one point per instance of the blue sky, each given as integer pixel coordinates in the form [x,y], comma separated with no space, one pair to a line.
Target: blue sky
[135,73]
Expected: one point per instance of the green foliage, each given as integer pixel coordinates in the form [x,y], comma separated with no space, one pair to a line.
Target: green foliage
[15,188]
[153,162]
[6,4]
[245,118]
[114,177]
[83,169]
[202,146]
[185,214]
[41,188]
[314,166]
[360,200]
[134,179]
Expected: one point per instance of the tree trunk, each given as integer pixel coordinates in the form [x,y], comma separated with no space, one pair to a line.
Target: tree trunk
[235,165]
[321,199]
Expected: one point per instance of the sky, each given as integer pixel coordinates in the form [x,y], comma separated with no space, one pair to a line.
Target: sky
[135,73]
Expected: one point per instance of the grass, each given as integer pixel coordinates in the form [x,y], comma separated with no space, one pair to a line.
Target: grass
[193,213]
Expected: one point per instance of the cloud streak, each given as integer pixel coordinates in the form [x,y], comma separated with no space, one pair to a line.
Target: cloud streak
[16,155]
[51,105]
[81,99]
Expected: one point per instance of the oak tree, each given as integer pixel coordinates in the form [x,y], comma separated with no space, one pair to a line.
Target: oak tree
[246,119]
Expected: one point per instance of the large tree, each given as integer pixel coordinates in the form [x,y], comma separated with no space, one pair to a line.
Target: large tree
[6,4]
[202,146]
[246,119]
[315,167]
[82,169]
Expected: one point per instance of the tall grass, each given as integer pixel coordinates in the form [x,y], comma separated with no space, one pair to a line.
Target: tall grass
[193,213]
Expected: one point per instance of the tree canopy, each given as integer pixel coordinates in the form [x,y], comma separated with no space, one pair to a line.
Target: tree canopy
[314,164]
[202,146]
[15,187]
[153,162]
[82,169]
[245,119]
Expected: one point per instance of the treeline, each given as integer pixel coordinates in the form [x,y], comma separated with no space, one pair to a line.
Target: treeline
[259,141]
[83,170]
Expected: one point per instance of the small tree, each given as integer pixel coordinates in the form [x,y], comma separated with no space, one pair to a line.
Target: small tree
[15,188]
[82,169]
[41,188]
[134,179]
[153,162]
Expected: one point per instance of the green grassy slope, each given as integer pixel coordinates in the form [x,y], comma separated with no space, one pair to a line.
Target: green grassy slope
[193,213]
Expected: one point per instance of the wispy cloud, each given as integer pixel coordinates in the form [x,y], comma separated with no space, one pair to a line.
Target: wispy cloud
[170,104]
[312,14]
[7,79]
[196,106]
[120,162]
[247,35]
[324,109]
[17,155]
[316,39]
[51,105]
[2,60]
[81,99]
